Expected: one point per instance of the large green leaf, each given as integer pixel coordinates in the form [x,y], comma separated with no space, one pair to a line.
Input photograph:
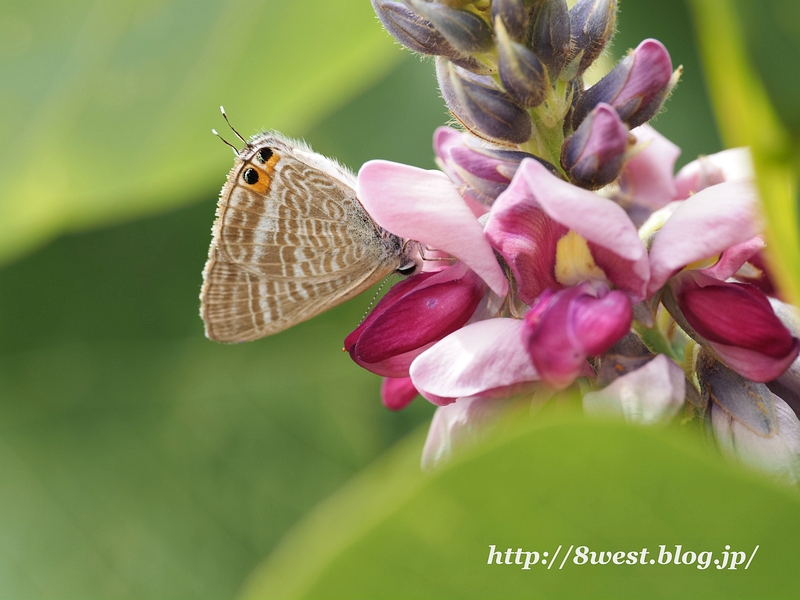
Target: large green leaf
[109,105]
[397,533]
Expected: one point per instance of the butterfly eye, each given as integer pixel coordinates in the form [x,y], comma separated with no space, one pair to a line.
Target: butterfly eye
[408,269]
[264,154]
[250,176]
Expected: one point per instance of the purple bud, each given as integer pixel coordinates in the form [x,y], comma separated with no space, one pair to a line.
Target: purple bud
[514,15]
[465,30]
[522,73]
[592,25]
[594,155]
[551,36]
[749,403]
[411,30]
[637,87]
[482,172]
[481,107]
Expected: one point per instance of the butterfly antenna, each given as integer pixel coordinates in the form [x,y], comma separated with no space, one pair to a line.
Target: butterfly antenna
[374,297]
[239,135]
[235,150]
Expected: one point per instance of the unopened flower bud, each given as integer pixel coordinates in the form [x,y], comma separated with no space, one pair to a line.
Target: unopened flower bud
[637,87]
[594,155]
[481,107]
[592,26]
[411,30]
[465,30]
[482,172]
[750,403]
[514,15]
[522,73]
[551,36]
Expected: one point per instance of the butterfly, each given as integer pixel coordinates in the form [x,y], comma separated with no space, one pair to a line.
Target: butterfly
[290,241]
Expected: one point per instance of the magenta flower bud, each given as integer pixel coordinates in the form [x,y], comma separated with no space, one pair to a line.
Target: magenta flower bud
[715,312]
[637,87]
[465,30]
[411,30]
[482,173]
[592,26]
[563,328]
[594,155]
[514,15]
[414,314]
[523,75]
[397,392]
[480,106]
[550,38]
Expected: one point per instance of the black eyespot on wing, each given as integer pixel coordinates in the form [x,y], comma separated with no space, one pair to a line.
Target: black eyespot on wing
[264,154]
[250,176]
[407,270]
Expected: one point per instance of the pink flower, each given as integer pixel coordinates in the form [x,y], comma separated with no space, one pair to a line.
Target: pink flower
[412,315]
[397,392]
[532,217]
[737,322]
[563,328]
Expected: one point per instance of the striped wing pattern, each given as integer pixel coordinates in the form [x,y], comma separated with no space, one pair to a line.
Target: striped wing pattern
[286,249]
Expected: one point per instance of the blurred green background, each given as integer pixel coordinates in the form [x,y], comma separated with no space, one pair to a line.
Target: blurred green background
[137,458]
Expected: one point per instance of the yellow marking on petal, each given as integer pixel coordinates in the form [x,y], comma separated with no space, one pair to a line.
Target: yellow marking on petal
[574,261]
[702,263]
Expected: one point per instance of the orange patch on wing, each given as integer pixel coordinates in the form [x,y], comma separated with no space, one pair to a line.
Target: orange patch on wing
[266,172]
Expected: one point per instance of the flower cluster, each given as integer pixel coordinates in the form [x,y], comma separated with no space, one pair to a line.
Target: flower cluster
[559,245]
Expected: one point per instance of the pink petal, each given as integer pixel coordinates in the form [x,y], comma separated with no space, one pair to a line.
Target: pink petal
[461,424]
[599,220]
[754,365]
[397,392]
[728,165]
[425,206]
[647,178]
[480,357]
[526,238]
[703,226]
[558,332]
[734,257]
[600,322]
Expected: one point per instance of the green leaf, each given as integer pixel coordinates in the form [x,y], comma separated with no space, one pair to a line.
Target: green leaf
[109,105]
[397,533]
[746,117]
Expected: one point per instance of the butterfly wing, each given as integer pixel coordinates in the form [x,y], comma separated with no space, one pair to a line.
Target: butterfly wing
[286,247]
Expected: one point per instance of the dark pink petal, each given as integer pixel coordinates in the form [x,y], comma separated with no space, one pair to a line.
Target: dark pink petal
[396,292]
[647,178]
[735,314]
[481,357]
[703,226]
[397,392]
[755,365]
[421,316]
[600,322]
[552,336]
[599,220]
[526,238]
[425,206]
